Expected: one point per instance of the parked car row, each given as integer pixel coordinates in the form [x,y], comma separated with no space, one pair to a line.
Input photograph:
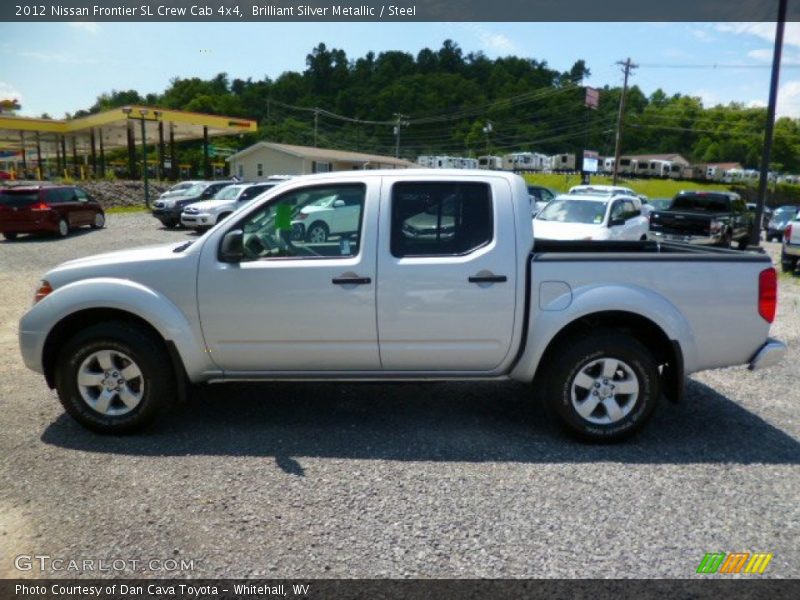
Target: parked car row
[602,212]
[202,204]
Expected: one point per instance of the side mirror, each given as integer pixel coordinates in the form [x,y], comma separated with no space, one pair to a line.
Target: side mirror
[232,247]
[616,222]
[338,203]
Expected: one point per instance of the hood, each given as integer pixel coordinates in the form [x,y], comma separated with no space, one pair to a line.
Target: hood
[119,264]
[553,230]
[212,204]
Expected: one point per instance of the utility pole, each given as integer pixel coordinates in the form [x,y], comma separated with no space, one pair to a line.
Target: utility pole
[316,124]
[627,67]
[755,234]
[398,124]
[487,129]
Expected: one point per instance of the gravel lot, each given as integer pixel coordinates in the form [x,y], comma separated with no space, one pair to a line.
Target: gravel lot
[442,480]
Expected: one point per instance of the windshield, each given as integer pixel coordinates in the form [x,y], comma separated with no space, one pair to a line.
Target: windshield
[193,190]
[18,199]
[574,211]
[228,193]
[785,212]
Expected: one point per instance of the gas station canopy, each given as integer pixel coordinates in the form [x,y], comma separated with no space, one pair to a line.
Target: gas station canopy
[79,145]
[111,128]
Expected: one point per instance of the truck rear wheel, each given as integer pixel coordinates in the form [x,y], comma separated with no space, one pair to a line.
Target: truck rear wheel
[603,387]
[114,378]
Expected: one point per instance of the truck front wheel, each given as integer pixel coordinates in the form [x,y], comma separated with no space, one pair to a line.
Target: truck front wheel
[604,386]
[114,378]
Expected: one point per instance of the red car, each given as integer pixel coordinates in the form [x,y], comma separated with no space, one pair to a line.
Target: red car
[52,208]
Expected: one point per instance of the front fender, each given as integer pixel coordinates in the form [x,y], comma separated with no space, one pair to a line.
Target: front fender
[587,300]
[119,294]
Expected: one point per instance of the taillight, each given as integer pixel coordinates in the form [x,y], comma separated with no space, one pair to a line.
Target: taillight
[787,233]
[41,206]
[42,291]
[767,294]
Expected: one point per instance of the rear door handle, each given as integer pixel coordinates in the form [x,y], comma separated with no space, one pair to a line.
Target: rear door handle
[488,279]
[351,280]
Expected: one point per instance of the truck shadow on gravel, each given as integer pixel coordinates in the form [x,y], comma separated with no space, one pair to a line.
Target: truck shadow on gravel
[467,422]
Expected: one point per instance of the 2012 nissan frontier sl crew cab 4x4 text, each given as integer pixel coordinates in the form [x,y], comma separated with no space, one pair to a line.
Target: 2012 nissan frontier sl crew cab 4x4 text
[430,275]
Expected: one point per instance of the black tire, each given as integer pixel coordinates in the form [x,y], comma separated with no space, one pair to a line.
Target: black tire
[726,240]
[313,230]
[788,264]
[99,221]
[170,224]
[575,358]
[10,235]
[743,243]
[63,228]
[155,383]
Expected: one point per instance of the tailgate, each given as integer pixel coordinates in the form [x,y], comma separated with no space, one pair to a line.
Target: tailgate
[16,209]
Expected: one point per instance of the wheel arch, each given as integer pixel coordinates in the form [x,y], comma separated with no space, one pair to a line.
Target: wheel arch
[71,324]
[87,302]
[667,352]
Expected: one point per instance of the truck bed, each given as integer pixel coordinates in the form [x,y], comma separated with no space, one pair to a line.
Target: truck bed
[556,250]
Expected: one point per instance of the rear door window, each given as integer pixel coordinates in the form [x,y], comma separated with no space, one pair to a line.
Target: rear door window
[440,219]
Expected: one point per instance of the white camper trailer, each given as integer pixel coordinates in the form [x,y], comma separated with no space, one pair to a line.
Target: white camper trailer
[524,161]
[562,162]
[491,163]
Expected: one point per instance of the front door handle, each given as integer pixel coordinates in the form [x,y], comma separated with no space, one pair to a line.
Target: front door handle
[351,280]
[488,279]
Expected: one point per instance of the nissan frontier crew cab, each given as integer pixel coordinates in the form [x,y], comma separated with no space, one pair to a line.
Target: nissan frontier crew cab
[429,275]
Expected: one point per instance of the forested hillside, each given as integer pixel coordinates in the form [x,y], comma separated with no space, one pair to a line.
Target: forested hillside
[444,99]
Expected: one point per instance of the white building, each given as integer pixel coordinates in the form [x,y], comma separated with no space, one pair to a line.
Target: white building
[264,159]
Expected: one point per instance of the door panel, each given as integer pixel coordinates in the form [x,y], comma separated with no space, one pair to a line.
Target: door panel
[280,309]
[430,316]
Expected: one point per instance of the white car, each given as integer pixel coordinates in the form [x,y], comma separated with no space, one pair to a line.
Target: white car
[592,217]
[206,214]
[331,214]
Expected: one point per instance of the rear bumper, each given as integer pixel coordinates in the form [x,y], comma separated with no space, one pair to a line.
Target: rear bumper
[45,223]
[771,353]
[700,240]
[791,249]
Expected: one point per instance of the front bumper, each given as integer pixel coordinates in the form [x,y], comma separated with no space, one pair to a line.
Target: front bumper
[771,353]
[700,240]
[197,220]
[31,344]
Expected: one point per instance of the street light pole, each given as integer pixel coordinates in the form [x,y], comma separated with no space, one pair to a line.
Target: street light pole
[143,117]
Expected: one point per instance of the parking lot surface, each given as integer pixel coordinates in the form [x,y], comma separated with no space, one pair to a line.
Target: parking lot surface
[407,480]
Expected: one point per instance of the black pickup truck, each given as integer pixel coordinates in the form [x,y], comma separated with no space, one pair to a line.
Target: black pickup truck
[710,218]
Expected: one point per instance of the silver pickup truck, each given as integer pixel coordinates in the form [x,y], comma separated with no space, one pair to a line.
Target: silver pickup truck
[421,275]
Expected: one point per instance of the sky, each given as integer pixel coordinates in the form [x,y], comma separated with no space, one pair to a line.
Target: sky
[62,67]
